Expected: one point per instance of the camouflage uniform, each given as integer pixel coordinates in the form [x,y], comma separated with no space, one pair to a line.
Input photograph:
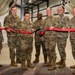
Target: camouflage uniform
[1,40]
[72,39]
[72,36]
[38,40]
[50,40]
[63,21]
[26,43]
[13,38]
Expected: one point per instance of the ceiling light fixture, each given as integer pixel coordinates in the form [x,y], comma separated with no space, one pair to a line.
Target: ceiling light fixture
[30,1]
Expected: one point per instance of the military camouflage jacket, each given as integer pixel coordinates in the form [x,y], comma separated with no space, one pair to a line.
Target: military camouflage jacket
[63,21]
[12,22]
[27,26]
[50,21]
[72,25]
[38,24]
[1,36]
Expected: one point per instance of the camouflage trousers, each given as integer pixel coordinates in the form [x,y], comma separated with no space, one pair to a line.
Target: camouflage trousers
[72,40]
[1,46]
[61,44]
[26,46]
[50,43]
[38,44]
[18,48]
[14,47]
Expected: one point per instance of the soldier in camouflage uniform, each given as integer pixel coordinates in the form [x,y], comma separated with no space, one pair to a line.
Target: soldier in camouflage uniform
[13,21]
[72,37]
[50,39]
[1,40]
[26,42]
[63,22]
[39,41]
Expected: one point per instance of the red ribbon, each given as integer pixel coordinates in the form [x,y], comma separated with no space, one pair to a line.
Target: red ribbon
[21,31]
[61,30]
[58,29]
[11,30]
[41,33]
[25,32]
[1,28]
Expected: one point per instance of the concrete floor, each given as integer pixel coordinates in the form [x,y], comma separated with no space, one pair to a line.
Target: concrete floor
[39,69]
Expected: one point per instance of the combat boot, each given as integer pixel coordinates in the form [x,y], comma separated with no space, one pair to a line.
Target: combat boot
[45,59]
[18,60]
[73,72]
[36,60]
[23,66]
[13,63]
[48,63]
[1,65]
[72,67]
[59,62]
[29,64]
[52,67]
[62,65]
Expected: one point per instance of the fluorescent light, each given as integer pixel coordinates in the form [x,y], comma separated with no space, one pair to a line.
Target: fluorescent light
[30,1]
